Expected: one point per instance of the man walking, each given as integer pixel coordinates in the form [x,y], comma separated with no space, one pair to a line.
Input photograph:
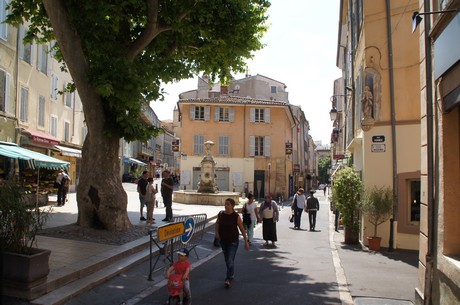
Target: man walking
[167,186]
[142,190]
[311,208]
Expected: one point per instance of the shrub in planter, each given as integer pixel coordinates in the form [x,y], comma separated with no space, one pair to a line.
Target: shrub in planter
[377,206]
[346,191]
[23,263]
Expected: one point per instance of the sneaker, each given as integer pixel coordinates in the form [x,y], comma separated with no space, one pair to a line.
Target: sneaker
[143,218]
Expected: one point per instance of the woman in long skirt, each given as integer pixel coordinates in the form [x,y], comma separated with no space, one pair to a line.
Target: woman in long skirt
[270,215]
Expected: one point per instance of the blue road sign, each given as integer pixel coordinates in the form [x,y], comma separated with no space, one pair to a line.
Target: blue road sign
[189,229]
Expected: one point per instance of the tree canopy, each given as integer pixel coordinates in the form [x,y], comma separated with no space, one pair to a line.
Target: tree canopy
[129,47]
[118,53]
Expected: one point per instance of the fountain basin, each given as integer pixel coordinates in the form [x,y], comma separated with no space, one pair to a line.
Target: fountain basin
[193,197]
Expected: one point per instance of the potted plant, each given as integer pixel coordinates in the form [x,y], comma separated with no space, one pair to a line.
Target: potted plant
[377,206]
[346,191]
[24,265]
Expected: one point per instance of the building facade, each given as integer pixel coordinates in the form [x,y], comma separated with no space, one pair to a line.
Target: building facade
[439,259]
[378,109]
[249,137]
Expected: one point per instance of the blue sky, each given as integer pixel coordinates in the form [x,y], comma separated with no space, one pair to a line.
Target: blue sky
[301,45]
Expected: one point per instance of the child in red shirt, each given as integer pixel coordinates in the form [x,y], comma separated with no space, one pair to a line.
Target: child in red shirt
[182,266]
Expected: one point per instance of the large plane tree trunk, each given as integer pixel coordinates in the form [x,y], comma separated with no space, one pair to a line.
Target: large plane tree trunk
[102,201]
[101,198]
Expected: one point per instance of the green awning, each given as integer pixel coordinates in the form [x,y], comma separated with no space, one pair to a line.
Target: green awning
[34,159]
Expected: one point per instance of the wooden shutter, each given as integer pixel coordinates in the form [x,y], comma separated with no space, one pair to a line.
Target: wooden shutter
[267,146]
[252,146]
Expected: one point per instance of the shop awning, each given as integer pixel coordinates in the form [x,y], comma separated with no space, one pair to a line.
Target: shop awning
[69,152]
[34,159]
[135,161]
[41,137]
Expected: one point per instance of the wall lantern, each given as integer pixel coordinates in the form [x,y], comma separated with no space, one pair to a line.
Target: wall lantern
[416,19]
[333,114]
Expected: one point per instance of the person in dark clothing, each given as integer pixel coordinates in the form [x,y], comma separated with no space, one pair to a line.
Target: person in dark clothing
[167,187]
[142,190]
[312,208]
[227,225]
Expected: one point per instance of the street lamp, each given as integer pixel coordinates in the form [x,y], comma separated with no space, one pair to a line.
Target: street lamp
[333,114]
[416,19]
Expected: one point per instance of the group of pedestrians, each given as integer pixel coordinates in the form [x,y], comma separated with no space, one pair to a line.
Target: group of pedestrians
[301,203]
[147,196]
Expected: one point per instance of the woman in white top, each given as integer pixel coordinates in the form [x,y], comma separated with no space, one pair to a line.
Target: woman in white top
[251,208]
[298,205]
[150,200]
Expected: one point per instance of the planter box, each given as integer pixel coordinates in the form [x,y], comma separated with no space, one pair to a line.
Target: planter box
[23,274]
[351,237]
[374,243]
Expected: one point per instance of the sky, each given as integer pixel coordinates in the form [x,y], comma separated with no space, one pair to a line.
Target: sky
[300,51]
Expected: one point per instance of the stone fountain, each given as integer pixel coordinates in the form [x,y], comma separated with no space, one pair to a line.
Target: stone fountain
[207,193]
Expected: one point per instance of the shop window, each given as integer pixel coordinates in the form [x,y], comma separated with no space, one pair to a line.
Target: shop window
[24,107]
[41,111]
[450,190]
[409,202]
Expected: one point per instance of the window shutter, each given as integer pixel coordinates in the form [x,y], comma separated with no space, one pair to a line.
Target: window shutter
[267,146]
[7,92]
[252,146]
[231,115]
[216,114]
[192,113]
[267,115]
[207,113]
[252,115]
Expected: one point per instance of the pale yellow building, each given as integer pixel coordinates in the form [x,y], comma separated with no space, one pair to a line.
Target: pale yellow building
[379,118]
[249,137]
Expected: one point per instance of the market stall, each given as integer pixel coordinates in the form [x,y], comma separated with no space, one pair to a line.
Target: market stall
[37,171]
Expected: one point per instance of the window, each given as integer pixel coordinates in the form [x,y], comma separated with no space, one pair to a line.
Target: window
[409,202]
[414,189]
[66,131]
[198,144]
[259,146]
[41,111]
[24,107]
[4,91]
[54,87]
[259,115]
[42,64]
[3,14]
[69,97]
[199,113]
[222,114]
[273,89]
[25,48]
[224,145]
[53,126]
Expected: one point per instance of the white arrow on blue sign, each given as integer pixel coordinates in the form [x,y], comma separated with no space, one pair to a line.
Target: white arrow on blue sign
[189,229]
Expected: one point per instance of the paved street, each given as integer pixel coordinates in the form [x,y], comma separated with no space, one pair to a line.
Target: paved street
[305,268]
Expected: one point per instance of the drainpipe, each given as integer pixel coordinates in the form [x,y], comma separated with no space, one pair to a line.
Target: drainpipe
[393,130]
[430,160]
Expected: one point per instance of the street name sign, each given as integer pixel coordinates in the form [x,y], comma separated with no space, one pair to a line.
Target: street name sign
[170,231]
[378,148]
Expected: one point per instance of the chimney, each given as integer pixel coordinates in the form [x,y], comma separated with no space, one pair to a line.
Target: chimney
[224,89]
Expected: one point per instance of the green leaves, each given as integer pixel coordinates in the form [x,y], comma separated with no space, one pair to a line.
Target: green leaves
[377,205]
[346,191]
[132,46]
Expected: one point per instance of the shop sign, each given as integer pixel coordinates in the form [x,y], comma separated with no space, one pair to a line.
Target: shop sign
[288,148]
[378,148]
[296,167]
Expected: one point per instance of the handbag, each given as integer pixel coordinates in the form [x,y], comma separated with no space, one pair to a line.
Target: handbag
[246,217]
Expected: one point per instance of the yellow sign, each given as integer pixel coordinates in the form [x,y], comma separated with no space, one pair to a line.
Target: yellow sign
[170,231]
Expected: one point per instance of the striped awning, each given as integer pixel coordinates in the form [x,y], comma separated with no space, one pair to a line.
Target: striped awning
[33,159]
